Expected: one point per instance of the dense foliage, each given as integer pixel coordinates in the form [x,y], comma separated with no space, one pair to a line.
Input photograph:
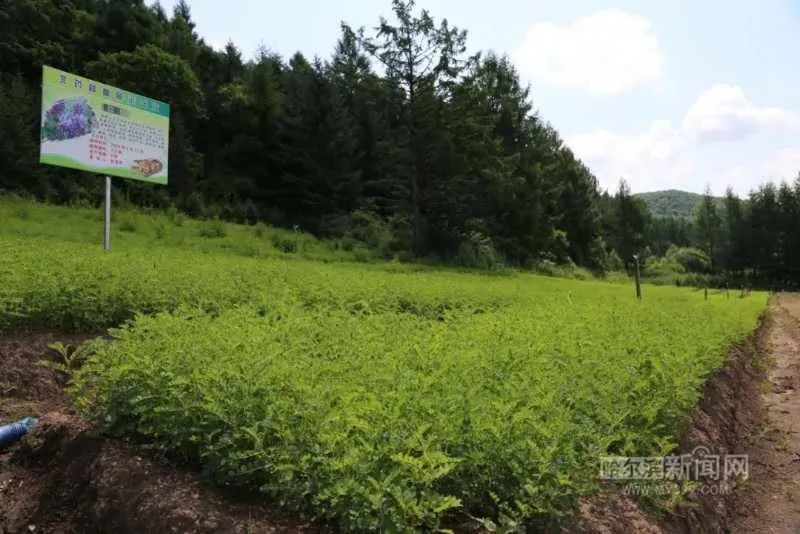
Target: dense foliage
[398,133]
[399,140]
[86,293]
[746,242]
[376,395]
[672,202]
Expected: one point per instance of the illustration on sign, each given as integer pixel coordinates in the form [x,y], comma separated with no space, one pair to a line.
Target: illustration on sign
[95,127]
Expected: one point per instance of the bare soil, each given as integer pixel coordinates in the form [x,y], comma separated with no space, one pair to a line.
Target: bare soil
[65,478]
[752,407]
[771,500]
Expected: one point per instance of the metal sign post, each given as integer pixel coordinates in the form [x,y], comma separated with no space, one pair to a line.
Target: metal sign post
[110,131]
[107,218]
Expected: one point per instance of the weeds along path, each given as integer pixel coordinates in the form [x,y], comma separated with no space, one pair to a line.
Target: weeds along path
[771,500]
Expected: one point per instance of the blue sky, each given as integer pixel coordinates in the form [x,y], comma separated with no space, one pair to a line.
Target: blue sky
[677,94]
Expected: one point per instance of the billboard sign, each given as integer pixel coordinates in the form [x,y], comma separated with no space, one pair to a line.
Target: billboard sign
[92,126]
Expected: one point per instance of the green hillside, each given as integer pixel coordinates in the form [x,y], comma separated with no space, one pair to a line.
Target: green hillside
[672,202]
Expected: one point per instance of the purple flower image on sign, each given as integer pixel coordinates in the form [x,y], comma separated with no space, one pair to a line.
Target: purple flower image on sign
[68,119]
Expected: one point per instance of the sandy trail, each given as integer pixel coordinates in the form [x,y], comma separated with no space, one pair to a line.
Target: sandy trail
[770,502]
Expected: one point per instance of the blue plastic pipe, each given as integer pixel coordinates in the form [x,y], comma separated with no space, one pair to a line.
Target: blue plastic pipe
[13,432]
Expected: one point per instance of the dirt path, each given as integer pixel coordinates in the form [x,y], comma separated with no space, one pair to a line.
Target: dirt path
[750,406]
[771,500]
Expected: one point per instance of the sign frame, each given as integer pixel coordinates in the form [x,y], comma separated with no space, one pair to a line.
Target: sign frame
[96,127]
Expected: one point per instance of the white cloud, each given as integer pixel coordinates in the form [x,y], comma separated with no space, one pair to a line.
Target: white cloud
[785,165]
[605,53]
[215,44]
[722,112]
[666,156]
[740,179]
[656,159]
[781,166]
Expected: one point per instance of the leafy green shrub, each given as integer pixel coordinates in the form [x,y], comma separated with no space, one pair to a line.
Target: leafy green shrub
[260,230]
[616,277]
[213,228]
[86,289]
[193,204]
[68,358]
[546,267]
[127,224]
[348,243]
[377,395]
[362,254]
[679,266]
[691,259]
[385,421]
[560,246]
[477,251]
[249,250]
[655,266]
[160,230]
[80,202]
[369,228]
[614,263]
[175,216]
[285,243]
[22,212]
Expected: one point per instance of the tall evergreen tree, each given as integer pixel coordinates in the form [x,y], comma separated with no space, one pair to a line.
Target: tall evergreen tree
[443,152]
[708,224]
[788,252]
[764,227]
[628,224]
[734,232]
[421,58]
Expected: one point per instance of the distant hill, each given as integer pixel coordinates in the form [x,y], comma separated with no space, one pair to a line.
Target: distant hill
[672,202]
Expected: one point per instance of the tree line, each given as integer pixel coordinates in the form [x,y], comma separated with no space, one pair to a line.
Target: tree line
[728,241]
[400,139]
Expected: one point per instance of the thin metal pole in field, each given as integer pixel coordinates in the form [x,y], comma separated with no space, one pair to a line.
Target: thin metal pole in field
[638,283]
[107,218]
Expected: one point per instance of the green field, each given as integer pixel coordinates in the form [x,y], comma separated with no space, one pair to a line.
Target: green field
[378,395]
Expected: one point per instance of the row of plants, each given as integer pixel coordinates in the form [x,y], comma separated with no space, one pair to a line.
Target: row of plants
[379,396]
[72,286]
[390,421]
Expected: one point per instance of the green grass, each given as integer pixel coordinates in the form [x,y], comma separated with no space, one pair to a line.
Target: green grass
[137,229]
[377,395]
